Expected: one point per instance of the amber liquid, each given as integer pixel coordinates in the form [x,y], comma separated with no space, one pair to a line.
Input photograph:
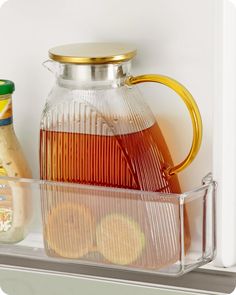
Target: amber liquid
[133,161]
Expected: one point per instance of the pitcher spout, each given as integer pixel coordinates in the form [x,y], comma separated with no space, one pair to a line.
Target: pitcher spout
[50,65]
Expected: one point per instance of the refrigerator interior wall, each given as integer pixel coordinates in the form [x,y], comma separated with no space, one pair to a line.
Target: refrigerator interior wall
[174,38]
[224,143]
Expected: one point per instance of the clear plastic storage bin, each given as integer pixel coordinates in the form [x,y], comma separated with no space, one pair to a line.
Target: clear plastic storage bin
[115,228]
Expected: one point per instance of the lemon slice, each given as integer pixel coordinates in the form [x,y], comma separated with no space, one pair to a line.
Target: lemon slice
[70,230]
[120,239]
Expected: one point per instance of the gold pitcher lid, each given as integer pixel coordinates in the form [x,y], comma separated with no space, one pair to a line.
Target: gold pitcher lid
[92,53]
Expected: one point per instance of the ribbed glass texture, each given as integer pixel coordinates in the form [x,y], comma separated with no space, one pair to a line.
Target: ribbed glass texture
[103,137]
[106,135]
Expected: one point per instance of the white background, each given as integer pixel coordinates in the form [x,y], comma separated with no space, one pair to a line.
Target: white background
[174,38]
[179,38]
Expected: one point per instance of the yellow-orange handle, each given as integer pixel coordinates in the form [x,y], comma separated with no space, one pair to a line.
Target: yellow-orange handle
[193,110]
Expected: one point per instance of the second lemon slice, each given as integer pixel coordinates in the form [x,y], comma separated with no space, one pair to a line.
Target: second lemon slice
[120,239]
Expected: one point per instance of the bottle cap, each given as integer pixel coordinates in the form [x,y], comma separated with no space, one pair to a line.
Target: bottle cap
[6,87]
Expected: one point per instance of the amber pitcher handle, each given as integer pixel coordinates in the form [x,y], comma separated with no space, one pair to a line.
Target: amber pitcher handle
[192,108]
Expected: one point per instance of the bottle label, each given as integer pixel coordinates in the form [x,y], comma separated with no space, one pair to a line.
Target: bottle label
[6,218]
[5,111]
[6,205]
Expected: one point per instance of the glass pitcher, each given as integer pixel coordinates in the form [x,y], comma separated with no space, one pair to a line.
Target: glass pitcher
[96,128]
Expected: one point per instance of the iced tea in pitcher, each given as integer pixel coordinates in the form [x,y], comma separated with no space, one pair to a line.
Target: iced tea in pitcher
[132,161]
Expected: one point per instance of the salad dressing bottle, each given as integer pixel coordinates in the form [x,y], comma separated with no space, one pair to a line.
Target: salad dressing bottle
[15,202]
